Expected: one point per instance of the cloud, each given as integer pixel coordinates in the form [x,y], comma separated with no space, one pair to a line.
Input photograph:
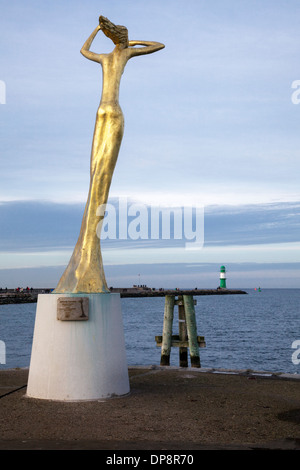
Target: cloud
[28,226]
[44,234]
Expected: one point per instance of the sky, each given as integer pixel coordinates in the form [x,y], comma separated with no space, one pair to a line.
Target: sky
[211,121]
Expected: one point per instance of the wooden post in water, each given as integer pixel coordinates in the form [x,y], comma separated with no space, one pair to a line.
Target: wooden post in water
[187,337]
[191,330]
[183,351]
[167,330]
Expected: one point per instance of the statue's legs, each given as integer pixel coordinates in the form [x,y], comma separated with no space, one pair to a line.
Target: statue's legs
[85,272]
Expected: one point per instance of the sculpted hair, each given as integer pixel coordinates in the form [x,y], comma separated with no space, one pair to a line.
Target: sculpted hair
[118,34]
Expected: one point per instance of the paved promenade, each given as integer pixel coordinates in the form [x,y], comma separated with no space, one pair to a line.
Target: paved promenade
[167,408]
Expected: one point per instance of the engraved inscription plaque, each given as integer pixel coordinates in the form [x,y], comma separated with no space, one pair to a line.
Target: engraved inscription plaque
[73,308]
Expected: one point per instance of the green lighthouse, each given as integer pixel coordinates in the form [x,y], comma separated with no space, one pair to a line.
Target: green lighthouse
[222,277]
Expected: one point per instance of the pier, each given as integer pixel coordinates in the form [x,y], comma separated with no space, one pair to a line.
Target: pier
[148,292]
[11,296]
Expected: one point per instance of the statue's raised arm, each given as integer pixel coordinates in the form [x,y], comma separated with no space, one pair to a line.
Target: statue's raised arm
[85,50]
[148,47]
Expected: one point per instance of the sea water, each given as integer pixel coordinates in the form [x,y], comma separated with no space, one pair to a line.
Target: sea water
[257,331]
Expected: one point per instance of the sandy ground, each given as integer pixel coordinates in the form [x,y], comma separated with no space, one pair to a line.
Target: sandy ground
[167,409]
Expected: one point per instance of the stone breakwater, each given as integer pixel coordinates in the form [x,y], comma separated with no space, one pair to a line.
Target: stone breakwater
[132,292]
[31,296]
[6,299]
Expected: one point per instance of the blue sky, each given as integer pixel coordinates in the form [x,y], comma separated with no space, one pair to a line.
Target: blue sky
[209,121]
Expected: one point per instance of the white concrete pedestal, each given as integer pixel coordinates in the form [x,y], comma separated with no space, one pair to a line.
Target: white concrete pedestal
[78,360]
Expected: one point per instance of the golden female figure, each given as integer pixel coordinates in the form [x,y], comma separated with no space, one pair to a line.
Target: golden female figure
[84,272]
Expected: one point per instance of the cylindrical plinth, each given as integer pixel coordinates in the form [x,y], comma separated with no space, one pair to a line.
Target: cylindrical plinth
[77,360]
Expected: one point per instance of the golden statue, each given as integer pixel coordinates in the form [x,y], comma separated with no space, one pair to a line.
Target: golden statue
[84,273]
